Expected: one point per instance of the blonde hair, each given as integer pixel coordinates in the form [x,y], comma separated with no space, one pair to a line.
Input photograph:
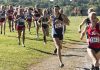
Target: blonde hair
[91,15]
[90,10]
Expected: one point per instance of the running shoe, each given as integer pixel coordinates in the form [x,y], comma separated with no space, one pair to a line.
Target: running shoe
[61,65]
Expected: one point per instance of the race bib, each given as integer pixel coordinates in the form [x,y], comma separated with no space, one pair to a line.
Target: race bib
[44,22]
[29,17]
[94,40]
[21,20]
[36,18]
[3,16]
[58,25]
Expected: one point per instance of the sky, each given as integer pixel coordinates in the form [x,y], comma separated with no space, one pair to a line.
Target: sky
[51,0]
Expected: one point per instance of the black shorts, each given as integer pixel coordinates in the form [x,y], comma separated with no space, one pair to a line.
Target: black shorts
[45,26]
[58,36]
[94,49]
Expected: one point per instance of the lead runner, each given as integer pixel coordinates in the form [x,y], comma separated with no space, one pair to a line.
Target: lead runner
[93,32]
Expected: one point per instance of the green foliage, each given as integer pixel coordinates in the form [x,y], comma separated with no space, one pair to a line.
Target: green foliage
[69,5]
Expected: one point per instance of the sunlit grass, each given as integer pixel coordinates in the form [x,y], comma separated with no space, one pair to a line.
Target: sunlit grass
[15,57]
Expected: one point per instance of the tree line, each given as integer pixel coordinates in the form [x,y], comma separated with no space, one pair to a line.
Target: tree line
[71,7]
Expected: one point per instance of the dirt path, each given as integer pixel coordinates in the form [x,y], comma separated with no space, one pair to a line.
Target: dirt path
[74,59]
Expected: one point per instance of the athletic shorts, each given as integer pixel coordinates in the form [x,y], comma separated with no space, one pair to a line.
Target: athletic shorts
[36,18]
[2,20]
[10,18]
[94,49]
[18,27]
[58,36]
[45,26]
[29,20]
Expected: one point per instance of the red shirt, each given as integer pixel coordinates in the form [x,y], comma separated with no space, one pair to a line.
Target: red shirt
[10,12]
[94,36]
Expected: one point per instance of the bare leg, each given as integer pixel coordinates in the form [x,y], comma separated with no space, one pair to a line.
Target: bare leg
[58,46]
[44,35]
[47,31]
[37,29]
[29,24]
[23,38]
[95,57]
[4,27]
[9,21]
[12,25]
[1,27]
[34,23]
[19,35]
[98,58]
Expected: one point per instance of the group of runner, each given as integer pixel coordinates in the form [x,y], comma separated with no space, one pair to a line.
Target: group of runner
[18,16]
[92,31]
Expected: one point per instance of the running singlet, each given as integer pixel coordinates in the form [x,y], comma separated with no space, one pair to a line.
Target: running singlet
[21,20]
[36,15]
[29,16]
[2,14]
[44,21]
[10,14]
[94,38]
[57,28]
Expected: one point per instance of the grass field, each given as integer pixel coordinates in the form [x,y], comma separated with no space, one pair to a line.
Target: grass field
[15,57]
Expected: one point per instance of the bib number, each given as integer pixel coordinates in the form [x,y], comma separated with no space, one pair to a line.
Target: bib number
[94,39]
[45,22]
[58,25]
[21,20]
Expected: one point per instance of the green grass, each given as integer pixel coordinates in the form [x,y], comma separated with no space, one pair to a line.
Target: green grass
[15,57]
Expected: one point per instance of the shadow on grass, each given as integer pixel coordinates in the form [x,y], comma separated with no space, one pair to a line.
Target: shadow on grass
[83,68]
[86,68]
[30,38]
[49,53]
[78,49]
[74,42]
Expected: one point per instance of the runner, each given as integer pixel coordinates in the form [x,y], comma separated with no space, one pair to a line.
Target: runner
[29,16]
[45,26]
[15,16]
[93,32]
[2,18]
[86,20]
[37,15]
[58,21]
[10,15]
[21,26]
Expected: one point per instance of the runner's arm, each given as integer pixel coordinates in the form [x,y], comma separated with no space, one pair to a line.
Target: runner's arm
[50,20]
[80,26]
[83,32]
[98,21]
[40,20]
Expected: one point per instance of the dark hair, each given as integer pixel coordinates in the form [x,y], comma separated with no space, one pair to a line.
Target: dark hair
[57,6]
